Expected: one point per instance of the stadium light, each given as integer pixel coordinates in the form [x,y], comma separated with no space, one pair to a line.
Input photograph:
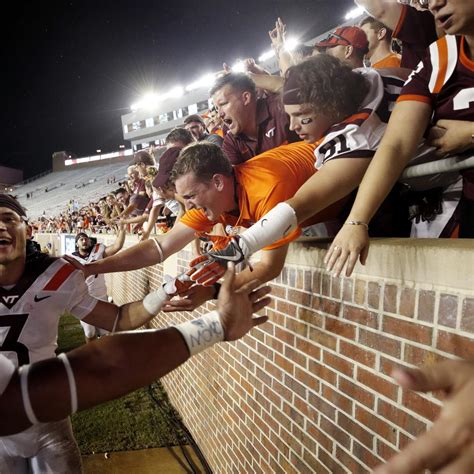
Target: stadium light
[175,92]
[354,13]
[207,80]
[98,150]
[238,66]
[121,146]
[291,44]
[266,55]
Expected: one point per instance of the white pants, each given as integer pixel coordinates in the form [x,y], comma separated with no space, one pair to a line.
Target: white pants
[46,448]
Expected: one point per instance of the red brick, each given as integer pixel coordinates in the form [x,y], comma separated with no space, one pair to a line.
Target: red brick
[420,405]
[297,327]
[467,317]
[338,363]
[455,344]
[336,398]
[307,379]
[359,291]
[316,286]
[299,297]
[379,342]
[326,285]
[296,357]
[448,309]
[302,436]
[290,440]
[417,356]
[376,424]
[336,287]
[322,372]
[357,354]
[334,326]
[278,291]
[285,364]
[305,408]
[325,305]
[358,393]
[321,406]
[310,317]
[373,295]
[273,343]
[403,440]
[379,384]
[333,431]
[273,370]
[360,316]
[323,338]
[310,349]
[365,456]
[355,430]
[349,461]
[316,434]
[384,451]
[281,390]
[426,304]
[313,463]
[348,290]
[285,336]
[407,330]
[407,302]
[295,386]
[286,308]
[330,463]
[400,418]
[390,298]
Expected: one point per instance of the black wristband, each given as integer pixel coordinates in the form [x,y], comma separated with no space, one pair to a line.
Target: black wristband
[217,288]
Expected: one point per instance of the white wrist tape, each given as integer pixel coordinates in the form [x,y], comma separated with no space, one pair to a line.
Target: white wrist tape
[273,226]
[25,396]
[202,333]
[155,300]
[72,381]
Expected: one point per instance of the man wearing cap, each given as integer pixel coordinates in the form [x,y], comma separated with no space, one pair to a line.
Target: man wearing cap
[195,124]
[348,43]
[255,125]
[87,252]
[35,290]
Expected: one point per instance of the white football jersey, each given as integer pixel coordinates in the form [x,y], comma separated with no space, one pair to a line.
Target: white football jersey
[30,310]
[95,283]
[6,371]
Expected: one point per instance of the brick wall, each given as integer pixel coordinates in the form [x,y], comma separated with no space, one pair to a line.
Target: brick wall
[310,391]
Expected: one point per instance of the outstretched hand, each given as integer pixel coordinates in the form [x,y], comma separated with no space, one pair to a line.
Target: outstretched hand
[236,306]
[351,243]
[78,265]
[448,446]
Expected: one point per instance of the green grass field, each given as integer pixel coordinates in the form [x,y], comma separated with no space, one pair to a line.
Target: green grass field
[129,423]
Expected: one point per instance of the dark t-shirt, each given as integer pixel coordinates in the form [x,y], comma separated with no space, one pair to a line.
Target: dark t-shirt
[273,130]
[416,30]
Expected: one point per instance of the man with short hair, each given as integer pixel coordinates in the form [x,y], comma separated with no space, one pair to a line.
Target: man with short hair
[195,124]
[35,290]
[255,125]
[347,43]
[178,137]
[87,251]
[380,52]
[142,160]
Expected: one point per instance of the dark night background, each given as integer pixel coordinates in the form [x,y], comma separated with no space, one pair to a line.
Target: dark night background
[71,69]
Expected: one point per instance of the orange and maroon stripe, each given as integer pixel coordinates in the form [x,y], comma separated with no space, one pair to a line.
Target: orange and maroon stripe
[59,278]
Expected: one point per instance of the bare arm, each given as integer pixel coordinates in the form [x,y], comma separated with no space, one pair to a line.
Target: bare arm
[405,130]
[118,244]
[268,82]
[107,369]
[386,11]
[141,255]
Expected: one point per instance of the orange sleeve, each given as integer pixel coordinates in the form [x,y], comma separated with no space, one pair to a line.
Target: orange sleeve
[414,97]
[197,220]
[403,14]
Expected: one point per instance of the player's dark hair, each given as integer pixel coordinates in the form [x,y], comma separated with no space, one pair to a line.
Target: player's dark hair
[240,82]
[204,159]
[329,86]
[179,136]
[377,26]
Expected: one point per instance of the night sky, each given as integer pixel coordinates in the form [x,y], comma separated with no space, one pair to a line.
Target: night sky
[71,69]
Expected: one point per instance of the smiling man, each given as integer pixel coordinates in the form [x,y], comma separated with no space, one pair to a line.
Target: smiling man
[35,290]
[255,125]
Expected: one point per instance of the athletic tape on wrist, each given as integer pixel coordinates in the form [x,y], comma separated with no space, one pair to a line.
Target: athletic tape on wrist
[202,333]
[72,381]
[25,396]
[274,225]
[154,301]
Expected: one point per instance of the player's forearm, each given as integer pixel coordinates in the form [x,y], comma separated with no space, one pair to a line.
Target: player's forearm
[267,82]
[134,315]
[262,272]
[141,255]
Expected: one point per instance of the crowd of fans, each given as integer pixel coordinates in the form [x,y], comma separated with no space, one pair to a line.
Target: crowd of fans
[324,143]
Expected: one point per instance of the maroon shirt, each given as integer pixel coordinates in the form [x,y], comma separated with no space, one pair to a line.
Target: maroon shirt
[273,130]
[416,30]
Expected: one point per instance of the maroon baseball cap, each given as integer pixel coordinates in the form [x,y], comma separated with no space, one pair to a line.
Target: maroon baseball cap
[346,36]
[167,161]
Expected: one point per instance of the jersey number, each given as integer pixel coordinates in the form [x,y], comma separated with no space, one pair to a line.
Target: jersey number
[15,322]
[463,98]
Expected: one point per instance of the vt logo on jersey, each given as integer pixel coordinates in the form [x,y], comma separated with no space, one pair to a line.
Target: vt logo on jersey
[10,300]
[270,132]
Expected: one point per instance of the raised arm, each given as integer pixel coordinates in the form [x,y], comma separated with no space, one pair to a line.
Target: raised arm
[405,130]
[118,244]
[118,364]
[386,11]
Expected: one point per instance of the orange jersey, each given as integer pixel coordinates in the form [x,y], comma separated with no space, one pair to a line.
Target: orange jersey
[262,182]
[392,60]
